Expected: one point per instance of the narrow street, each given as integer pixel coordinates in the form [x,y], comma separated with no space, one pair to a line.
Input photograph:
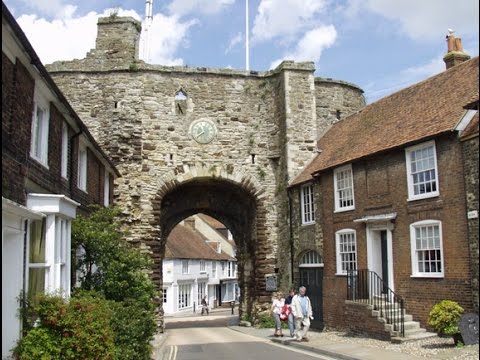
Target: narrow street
[209,338]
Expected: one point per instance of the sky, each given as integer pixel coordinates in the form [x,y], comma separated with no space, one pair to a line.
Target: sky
[381,46]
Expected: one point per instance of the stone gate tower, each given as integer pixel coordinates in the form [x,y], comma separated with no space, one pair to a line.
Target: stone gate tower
[217,141]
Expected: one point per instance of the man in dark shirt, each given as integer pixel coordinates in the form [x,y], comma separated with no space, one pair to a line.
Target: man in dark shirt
[288,301]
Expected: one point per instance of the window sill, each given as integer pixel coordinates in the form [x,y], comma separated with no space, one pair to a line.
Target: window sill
[428,196]
[427,276]
[340,274]
[343,210]
[308,223]
[40,161]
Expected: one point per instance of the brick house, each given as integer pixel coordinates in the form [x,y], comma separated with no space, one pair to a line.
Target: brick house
[51,168]
[387,198]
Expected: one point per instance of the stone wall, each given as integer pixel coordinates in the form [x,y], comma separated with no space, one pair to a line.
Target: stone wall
[266,125]
[471,160]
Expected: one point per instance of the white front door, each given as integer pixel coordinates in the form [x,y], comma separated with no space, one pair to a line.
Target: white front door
[379,253]
[12,284]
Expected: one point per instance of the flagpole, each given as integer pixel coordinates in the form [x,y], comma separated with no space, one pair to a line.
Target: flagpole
[247,61]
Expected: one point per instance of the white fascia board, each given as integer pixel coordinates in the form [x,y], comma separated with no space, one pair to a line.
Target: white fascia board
[53,204]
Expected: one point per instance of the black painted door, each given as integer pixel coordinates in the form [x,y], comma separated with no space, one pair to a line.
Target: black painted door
[312,279]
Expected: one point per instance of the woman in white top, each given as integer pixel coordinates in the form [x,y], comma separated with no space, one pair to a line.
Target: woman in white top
[276,309]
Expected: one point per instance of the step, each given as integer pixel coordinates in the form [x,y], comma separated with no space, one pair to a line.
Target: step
[412,337]
[409,326]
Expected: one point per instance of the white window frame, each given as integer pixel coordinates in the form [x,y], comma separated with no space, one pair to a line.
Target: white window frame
[341,261]
[185,267]
[82,167]
[340,189]
[201,291]
[203,267]
[410,183]
[416,272]
[106,189]
[307,200]
[214,269]
[59,211]
[40,127]
[184,296]
[64,169]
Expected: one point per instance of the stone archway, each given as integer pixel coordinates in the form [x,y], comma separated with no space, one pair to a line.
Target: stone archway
[240,209]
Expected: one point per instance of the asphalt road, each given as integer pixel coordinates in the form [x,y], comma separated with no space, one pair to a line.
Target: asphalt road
[209,338]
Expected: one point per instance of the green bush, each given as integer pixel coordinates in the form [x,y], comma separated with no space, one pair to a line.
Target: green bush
[121,275]
[77,329]
[444,317]
[133,326]
[39,344]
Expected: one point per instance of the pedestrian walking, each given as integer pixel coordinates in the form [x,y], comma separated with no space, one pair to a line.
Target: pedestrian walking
[276,310]
[291,319]
[302,311]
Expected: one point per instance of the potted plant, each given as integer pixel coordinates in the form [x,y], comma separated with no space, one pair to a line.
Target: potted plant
[444,318]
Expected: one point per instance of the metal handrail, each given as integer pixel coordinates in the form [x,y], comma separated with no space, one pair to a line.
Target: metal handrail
[365,286]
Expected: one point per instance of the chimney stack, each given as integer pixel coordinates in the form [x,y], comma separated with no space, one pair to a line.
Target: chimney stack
[455,54]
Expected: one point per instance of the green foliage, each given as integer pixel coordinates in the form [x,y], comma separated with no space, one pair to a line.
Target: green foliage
[39,344]
[133,67]
[121,276]
[265,320]
[120,271]
[133,326]
[79,328]
[444,317]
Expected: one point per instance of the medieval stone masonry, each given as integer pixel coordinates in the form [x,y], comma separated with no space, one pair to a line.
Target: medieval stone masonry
[219,141]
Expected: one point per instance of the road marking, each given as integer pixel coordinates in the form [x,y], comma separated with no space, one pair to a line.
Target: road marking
[173,352]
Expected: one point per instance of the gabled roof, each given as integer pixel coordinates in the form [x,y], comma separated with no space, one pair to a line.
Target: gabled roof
[421,111]
[185,243]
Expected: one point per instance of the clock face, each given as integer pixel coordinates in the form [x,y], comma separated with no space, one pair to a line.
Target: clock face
[203,131]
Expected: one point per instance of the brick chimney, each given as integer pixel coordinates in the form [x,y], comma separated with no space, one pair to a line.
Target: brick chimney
[455,54]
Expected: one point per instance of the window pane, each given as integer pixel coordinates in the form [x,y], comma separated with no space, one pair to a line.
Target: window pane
[37,242]
[36,281]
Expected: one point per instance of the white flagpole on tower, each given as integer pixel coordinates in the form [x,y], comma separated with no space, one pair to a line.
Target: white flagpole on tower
[247,60]
[148,23]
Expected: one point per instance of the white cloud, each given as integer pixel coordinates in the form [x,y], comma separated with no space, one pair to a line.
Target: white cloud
[429,19]
[285,17]
[311,45]
[71,37]
[168,34]
[233,42]
[206,7]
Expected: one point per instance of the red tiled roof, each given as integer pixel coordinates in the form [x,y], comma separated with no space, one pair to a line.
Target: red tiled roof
[421,111]
[185,243]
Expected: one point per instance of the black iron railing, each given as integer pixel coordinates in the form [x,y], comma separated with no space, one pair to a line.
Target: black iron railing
[365,286]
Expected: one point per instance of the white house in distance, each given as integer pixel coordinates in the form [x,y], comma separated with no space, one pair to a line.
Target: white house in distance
[195,265]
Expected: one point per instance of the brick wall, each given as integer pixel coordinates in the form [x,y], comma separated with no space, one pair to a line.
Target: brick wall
[17,107]
[380,187]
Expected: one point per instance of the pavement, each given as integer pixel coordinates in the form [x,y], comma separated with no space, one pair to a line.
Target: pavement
[316,344]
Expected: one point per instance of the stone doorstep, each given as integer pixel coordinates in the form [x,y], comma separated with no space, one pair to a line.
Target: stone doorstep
[412,337]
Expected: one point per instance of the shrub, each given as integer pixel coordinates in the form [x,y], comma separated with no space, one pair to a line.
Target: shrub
[112,266]
[78,329]
[444,317]
[133,326]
